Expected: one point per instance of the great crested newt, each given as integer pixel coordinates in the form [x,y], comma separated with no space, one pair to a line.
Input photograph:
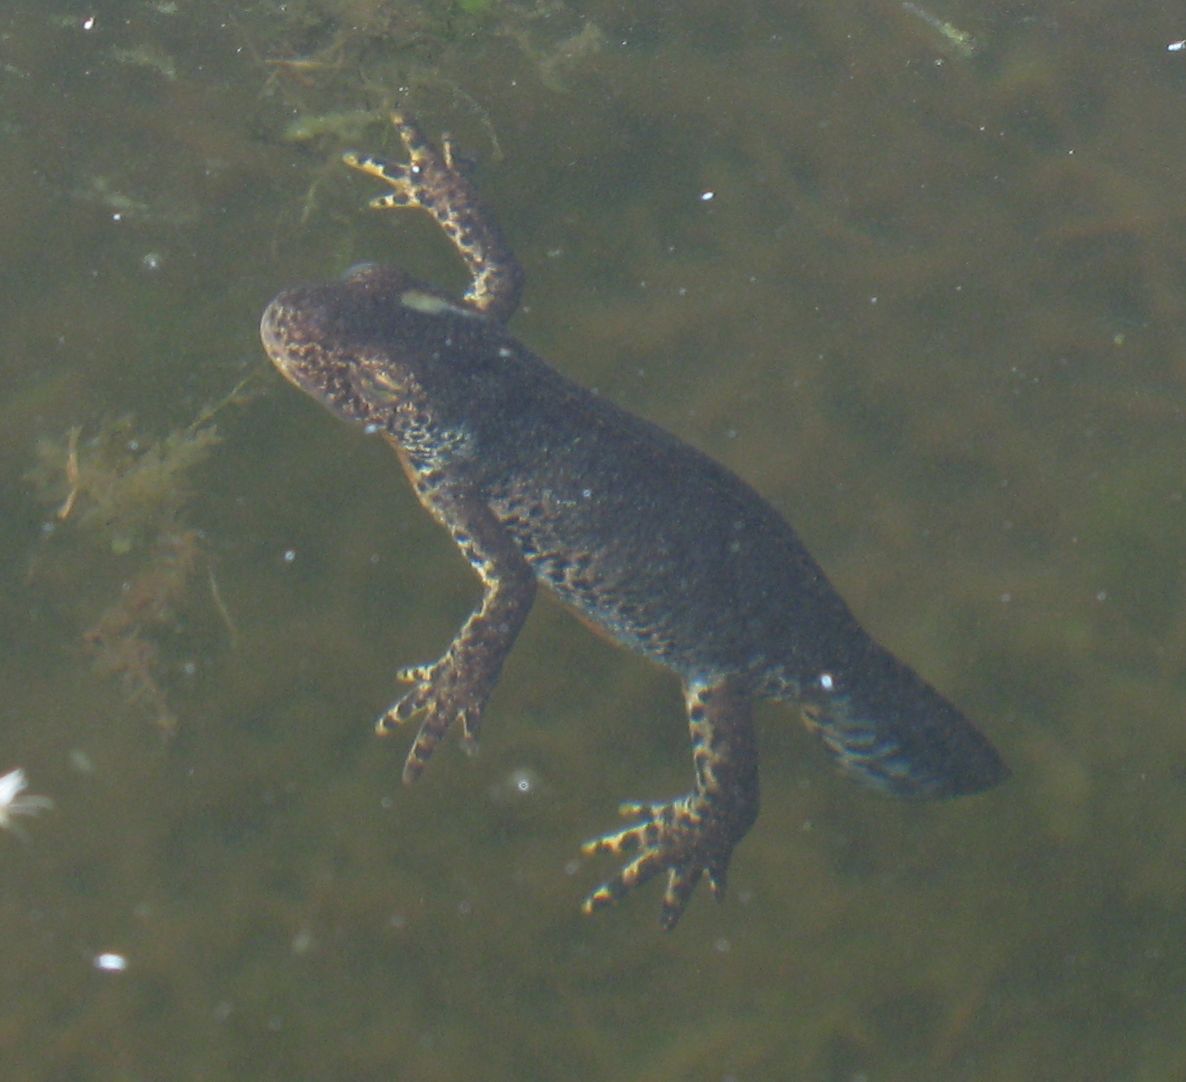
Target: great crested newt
[540,481]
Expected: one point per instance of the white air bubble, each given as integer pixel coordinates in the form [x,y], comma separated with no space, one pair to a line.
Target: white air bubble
[110,962]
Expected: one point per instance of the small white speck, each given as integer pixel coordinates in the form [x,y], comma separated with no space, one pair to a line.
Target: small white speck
[117,217]
[289,555]
[1102,595]
[826,681]
[707,197]
[1176,46]
[110,962]
[524,781]
[88,23]
[152,261]
[372,428]
[515,785]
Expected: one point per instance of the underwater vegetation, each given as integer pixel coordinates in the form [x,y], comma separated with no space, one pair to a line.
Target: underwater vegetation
[122,496]
[352,52]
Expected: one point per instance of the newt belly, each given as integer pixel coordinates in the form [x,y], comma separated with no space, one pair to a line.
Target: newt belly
[540,481]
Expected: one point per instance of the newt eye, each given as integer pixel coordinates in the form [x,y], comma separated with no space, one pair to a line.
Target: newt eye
[379,388]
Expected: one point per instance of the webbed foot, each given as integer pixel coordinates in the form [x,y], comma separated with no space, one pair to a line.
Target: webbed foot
[689,838]
[446,694]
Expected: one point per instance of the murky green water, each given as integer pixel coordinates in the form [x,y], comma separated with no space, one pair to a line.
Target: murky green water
[934,310]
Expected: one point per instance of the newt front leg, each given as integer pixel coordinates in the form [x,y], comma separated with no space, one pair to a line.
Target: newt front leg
[431,180]
[456,687]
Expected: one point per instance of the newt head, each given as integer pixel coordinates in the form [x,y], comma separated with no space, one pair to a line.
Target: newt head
[353,344]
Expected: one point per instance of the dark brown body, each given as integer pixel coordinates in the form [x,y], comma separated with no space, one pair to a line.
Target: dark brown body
[542,481]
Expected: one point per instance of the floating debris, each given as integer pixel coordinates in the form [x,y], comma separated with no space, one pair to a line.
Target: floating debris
[14,802]
[148,57]
[960,42]
[343,127]
[110,962]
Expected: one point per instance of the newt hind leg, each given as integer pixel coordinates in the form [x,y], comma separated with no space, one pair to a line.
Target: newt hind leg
[693,836]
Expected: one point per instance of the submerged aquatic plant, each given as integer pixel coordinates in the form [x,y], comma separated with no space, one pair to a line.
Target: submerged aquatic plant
[127,494]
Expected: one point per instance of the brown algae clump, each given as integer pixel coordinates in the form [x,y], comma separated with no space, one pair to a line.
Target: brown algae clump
[125,495]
